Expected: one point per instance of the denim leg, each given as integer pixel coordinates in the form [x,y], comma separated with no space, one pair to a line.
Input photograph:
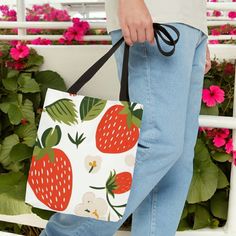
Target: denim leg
[162,84]
[162,208]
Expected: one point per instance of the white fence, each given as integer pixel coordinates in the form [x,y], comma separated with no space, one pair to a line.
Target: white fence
[84,56]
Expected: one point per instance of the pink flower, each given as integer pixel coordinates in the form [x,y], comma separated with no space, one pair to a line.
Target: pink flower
[232,14]
[216,13]
[233,31]
[1,54]
[229,69]
[40,41]
[17,65]
[73,33]
[13,43]
[213,41]
[221,135]
[215,32]
[64,41]
[19,52]
[225,28]
[218,141]
[229,146]
[34,31]
[4,8]
[213,95]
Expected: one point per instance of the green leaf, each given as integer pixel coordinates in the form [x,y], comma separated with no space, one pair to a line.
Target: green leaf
[138,113]
[136,121]
[50,79]
[45,134]
[45,151]
[90,108]
[212,111]
[27,133]
[20,152]
[10,84]
[28,111]
[14,113]
[51,137]
[205,175]
[222,179]
[9,179]
[34,61]
[27,84]
[184,225]
[202,217]
[221,157]
[8,143]
[12,194]
[63,110]
[6,101]
[12,74]
[219,204]
[44,214]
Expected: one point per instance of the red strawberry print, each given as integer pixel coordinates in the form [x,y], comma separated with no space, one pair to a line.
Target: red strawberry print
[116,184]
[50,175]
[118,130]
[123,182]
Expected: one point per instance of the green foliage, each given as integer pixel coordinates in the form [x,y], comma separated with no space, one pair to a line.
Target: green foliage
[21,100]
[207,200]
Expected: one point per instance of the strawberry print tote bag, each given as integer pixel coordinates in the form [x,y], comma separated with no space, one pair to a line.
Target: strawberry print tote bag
[84,155]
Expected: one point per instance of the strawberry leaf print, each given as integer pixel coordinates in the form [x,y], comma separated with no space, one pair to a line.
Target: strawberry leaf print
[90,108]
[63,111]
[77,140]
[51,137]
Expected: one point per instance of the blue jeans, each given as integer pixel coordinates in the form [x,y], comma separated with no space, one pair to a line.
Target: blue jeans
[170,89]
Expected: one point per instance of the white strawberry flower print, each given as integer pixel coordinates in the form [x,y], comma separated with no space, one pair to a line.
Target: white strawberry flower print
[130,160]
[92,207]
[93,163]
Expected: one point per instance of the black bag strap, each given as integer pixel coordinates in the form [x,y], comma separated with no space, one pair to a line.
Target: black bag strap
[124,93]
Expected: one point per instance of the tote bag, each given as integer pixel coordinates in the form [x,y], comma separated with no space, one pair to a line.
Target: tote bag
[85,151]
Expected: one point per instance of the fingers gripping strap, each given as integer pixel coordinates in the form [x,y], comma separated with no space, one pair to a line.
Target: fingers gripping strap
[124,93]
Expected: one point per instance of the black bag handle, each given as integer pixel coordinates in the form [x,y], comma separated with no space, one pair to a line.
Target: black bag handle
[124,93]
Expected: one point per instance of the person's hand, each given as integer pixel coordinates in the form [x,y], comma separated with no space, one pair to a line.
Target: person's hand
[208,61]
[135,21]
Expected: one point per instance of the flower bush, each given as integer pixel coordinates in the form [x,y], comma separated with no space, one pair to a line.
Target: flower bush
[207,200]
[22,91]
[72,35]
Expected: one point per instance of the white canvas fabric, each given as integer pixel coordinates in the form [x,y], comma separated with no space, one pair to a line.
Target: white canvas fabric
[84,156]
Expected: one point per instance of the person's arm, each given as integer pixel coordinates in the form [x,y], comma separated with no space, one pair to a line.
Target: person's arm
[135,21]
[208,60]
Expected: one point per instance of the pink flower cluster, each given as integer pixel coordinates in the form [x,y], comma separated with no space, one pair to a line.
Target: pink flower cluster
[7,14]
[18,53]
[226,29]
[46,12]
[221,138]
[41,41]
[213,95]
[76,32]
[38,13]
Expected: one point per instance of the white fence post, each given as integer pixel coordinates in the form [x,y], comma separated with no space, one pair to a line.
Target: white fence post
[231,219]
[21,15]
